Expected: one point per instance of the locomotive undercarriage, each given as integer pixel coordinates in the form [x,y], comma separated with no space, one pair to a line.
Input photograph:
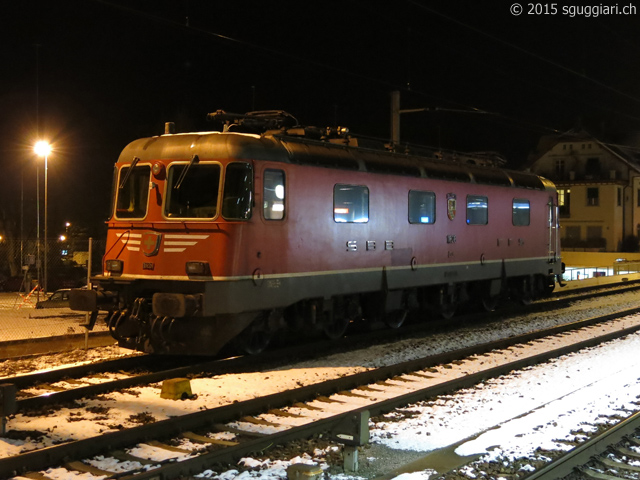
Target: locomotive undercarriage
[136,326]
[139,329]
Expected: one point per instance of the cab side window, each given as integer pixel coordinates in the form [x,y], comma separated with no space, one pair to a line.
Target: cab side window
[273,194]
[238,188]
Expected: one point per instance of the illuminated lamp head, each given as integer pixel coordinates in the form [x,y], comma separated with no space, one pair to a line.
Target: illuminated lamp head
[159,170]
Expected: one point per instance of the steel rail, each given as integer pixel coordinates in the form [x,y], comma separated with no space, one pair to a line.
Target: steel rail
[595,446]
[610,289]
[43,458]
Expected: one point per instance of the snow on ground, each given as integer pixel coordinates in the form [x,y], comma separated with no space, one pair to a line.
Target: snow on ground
[569,388]
[547,401]
[535,407]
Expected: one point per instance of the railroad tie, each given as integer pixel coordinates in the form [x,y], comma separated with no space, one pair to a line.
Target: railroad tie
[86,468]
[422,375]
[127,457]
[308,407]
[403,379]
[385,384]
[634,440]
[260,421]
[366,388]
[628,453]
[327,400]
[347,393]
[597,475]
[202,439]
[237,431]
[613,464]
[164,446]
[284,413]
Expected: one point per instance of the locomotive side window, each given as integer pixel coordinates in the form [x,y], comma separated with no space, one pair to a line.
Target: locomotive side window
[350,204]
[521,212]
[273,194]
[133,192]
[422,207]
[477,210]
[192,190]
[238,191]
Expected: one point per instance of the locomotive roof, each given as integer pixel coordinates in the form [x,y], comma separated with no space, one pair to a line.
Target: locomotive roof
[299,150]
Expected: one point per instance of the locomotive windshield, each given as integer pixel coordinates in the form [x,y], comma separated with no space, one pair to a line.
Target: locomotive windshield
[194,193]
[133,192]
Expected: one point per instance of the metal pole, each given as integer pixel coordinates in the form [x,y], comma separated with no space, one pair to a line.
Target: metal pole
[46,210]
[88,314]
[395,117]
[89,263]
[22,218]
[39,264]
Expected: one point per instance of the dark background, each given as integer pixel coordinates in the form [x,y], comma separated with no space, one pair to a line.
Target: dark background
[91,76]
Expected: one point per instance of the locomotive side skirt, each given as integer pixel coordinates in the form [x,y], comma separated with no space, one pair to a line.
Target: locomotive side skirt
[229,296]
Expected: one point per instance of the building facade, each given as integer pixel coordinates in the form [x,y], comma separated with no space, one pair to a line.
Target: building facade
[598,191]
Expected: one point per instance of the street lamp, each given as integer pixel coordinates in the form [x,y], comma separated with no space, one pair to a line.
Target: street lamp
[43,149]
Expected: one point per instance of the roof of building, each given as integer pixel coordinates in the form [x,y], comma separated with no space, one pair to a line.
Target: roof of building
[628,155]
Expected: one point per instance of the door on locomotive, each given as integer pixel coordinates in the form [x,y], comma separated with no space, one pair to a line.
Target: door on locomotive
[554,246]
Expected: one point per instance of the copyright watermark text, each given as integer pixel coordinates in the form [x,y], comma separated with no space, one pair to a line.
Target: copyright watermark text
[586,11]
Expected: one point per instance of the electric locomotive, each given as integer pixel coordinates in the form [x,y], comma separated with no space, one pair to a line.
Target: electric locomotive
[233,236]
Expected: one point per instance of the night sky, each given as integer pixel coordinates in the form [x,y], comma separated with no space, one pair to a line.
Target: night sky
[91,76]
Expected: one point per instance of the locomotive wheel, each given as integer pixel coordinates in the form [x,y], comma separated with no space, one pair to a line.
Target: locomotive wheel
[334,326]
[396,318]
[253,343]
[255,338]
[526,293]
[490,303]
[448,310]
[447,302]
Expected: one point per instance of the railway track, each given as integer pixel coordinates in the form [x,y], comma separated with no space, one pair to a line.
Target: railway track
[611,454]
[51,387]
[229,432]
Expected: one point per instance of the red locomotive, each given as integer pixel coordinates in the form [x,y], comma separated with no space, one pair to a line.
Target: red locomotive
[234,235]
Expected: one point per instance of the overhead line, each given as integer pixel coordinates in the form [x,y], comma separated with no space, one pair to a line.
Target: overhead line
[507,75]
[189,27]
[526,52]
[201,31]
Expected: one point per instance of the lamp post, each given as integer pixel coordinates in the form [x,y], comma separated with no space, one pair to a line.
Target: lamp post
[43,149]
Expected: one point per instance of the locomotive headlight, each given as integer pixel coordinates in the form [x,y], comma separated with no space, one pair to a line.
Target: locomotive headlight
[114,266]
[158,170]
[198,268]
